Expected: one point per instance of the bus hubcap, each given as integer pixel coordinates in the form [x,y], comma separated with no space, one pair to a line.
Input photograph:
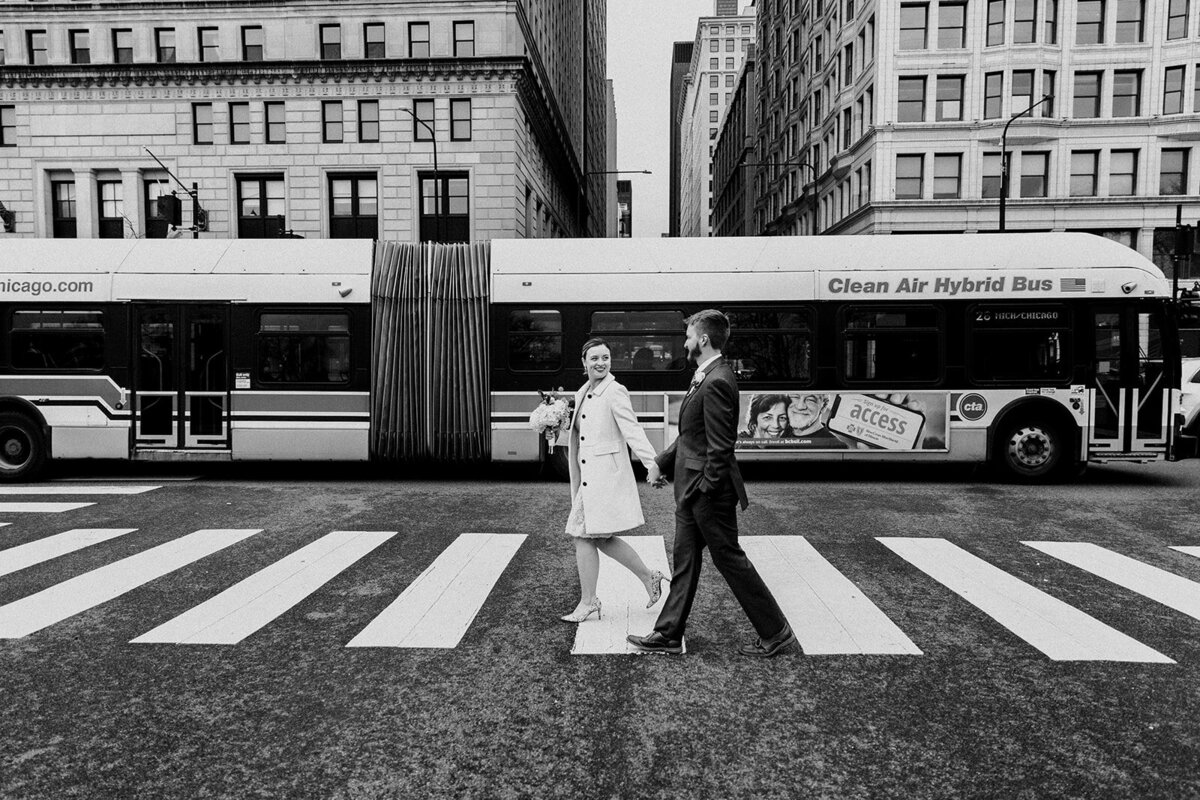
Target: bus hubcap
[1030,447]
[14,449]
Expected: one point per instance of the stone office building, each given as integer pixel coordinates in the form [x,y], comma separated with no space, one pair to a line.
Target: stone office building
[398,120]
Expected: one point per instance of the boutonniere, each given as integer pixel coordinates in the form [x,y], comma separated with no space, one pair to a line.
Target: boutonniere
[699,376]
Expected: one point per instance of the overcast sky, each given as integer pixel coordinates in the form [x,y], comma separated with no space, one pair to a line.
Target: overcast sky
[640,38]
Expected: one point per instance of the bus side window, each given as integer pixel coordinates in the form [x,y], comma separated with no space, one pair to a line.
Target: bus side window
[891,345]
[307,347]
[641,341]
[535,340]
[770,344]
[1018,343]
[62,340]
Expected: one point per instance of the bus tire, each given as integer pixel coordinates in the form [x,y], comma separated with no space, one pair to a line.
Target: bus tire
[1032,450]
[22,447]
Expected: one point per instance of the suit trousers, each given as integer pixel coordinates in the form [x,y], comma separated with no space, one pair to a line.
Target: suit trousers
[711,520]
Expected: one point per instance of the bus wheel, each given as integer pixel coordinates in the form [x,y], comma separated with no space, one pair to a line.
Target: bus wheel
[1031,451]
[22,448]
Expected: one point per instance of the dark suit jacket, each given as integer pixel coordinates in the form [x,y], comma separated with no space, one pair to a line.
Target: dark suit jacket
[701,458]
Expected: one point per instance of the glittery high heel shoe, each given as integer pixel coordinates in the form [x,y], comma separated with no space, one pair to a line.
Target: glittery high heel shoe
[583,612]
[654,587]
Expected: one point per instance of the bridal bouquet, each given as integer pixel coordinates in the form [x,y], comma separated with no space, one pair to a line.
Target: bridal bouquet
[551,416]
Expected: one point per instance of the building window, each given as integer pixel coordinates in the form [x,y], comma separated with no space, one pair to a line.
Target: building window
[418,40]
[947,176]
[995,22]
[332,129]
[2,56]
[8,126]
[714,99]
[208,44]
[715,63]
[712,116]
[164,45]
[714,81]
[992,176]
[1173,90]
[1051,17]
[156,223]
[1035,169]
[728,81]
[910,177]
[1046,109]
[1122,173]
[81,50]
[728,64]
[239,123]
[1130,20]
[374,42]
[714,46]
[1177,20]
[949,97]
[354,207]
[368,120]
[35,46]
[993,99]
[1087,94]
[952,25]
[912,100]
[1089,22]
[460,120]
[913,17]
[274,120]
[464,39]
[122,46]
[260,207]
[1022,90]
[1024,21]
[331,42]
[253,43]
[112,211]
[63,209]
[1172,172]
[202,123]
[423,120]
[1084,168]
[1127,93]
[445,214]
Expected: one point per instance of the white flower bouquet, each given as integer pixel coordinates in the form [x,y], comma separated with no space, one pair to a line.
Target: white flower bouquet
[551,416]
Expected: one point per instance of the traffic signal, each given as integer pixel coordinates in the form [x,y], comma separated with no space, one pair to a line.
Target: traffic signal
[167,207]
[201,220]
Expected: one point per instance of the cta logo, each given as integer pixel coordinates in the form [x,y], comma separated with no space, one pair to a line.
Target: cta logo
[972,407]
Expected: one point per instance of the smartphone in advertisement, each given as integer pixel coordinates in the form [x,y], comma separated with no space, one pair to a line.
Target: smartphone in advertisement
[876,422]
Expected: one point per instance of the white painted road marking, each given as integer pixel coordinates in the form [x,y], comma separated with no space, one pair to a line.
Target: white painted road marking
[249,605]
[622,602]
[439,606]
[45,608]
[1191,550]
[827,612]
[40,508]
[1159,585]
[26,555]
[61,489]
[1062,632]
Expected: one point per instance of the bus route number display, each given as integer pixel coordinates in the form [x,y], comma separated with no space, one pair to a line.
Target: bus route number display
[876,422]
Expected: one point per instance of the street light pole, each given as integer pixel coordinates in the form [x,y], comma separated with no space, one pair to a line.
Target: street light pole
[1004,155]
[437,186]
[815,230]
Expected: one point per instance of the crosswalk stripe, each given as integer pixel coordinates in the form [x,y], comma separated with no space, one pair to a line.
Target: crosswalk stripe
[56,603]
[40,508]
[251,604]
[1172,590]
[439,606]
[61,489]
[1060,631]
[623,602]
[827,612]
[26,555]
[1191,550]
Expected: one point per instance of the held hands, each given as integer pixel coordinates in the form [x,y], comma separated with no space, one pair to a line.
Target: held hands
[655,478]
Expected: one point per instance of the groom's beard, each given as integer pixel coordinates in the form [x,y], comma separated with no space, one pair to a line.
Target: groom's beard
[694,353]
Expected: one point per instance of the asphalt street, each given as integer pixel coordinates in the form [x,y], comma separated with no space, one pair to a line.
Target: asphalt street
[514,707]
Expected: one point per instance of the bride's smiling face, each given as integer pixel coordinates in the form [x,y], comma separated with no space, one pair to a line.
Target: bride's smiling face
[596,362]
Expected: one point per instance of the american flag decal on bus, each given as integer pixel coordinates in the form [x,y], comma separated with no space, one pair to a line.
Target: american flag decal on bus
[1072,284]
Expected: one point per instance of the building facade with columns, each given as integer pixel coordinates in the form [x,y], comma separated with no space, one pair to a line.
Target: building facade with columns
[320,119]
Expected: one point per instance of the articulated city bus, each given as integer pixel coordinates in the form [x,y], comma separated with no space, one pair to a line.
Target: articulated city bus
[1036,352]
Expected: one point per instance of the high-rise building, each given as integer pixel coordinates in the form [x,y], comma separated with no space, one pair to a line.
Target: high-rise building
[720,47]
[681,62]
[400,120]
[734,161]
[726,8]
[624,209]
[891,117]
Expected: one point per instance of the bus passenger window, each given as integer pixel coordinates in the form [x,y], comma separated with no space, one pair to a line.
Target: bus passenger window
[642,341]
[892,346]
[535,341]
[770,345]
[311,347]
[58,340]
[1018,344]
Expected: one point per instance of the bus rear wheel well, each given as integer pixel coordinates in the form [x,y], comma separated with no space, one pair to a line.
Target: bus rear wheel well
[1034,441]
[24,440]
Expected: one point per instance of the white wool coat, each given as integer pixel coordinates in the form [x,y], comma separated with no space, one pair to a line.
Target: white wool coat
[604,428]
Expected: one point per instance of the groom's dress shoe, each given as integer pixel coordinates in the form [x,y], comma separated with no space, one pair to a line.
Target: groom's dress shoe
[655,642]
[768,648]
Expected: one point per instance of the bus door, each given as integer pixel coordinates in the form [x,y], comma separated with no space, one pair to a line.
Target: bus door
[181,381]
[1131,382]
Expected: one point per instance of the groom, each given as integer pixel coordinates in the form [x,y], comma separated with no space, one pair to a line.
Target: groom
[708,487]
